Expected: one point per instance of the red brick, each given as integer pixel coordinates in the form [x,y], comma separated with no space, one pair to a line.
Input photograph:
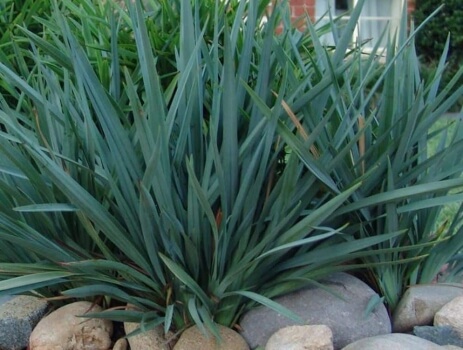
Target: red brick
[311,12]
[294,3]
[297,11]
[411,6]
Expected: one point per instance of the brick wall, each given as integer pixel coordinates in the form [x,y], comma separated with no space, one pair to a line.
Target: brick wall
[301,7]
[411,6]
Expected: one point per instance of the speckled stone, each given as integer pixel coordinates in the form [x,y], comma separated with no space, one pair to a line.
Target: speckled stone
[194,339]
[18,317]
[150,340]
[5,298]
[65,329]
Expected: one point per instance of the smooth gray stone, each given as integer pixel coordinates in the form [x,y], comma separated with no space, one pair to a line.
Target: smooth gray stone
[18,317]
[394,341]
[342,309]
[442,335]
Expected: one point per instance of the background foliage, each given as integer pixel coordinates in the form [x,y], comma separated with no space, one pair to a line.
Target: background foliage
[449,20]
[431,40]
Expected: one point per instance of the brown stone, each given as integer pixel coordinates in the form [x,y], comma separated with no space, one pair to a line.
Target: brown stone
[64,330]
[152,339]
[194,339]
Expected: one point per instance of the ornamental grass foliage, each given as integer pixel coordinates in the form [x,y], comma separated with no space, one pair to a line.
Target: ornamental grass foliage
[183,157]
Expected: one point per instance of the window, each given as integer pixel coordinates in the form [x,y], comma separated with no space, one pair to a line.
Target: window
[377,15]
[342,6]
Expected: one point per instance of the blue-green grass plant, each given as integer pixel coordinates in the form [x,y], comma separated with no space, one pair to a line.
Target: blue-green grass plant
[171,198]
[373,120]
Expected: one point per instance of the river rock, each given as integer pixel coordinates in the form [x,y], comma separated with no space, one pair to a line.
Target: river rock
[194,339]
[451,314]
[393,341]
[420,303]
[441,335]
[317,337]
[342,309]
[152,339]
[63,329]
[18,317]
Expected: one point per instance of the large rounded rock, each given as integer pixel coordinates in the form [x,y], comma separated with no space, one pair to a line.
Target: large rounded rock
[318,337]
[63,329]
[395,341]
[341,306]
[420,303]
[194,339]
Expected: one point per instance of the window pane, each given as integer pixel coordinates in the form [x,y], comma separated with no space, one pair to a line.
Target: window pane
[342,5]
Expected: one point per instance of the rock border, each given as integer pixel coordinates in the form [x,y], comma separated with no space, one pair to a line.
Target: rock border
[19,316]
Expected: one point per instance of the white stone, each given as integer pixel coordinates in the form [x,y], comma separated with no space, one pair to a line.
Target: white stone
[451,314]
[194,339]
[315,337]
[64,330]
[420,303]
[393,341]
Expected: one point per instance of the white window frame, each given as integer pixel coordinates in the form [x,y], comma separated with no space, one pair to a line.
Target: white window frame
[323,7]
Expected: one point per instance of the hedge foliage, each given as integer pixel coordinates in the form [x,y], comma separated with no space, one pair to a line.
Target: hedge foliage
[431,40]
[449,19]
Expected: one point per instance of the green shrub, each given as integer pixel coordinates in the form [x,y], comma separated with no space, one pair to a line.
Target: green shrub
[390,134]
[374,123]
[448,20]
